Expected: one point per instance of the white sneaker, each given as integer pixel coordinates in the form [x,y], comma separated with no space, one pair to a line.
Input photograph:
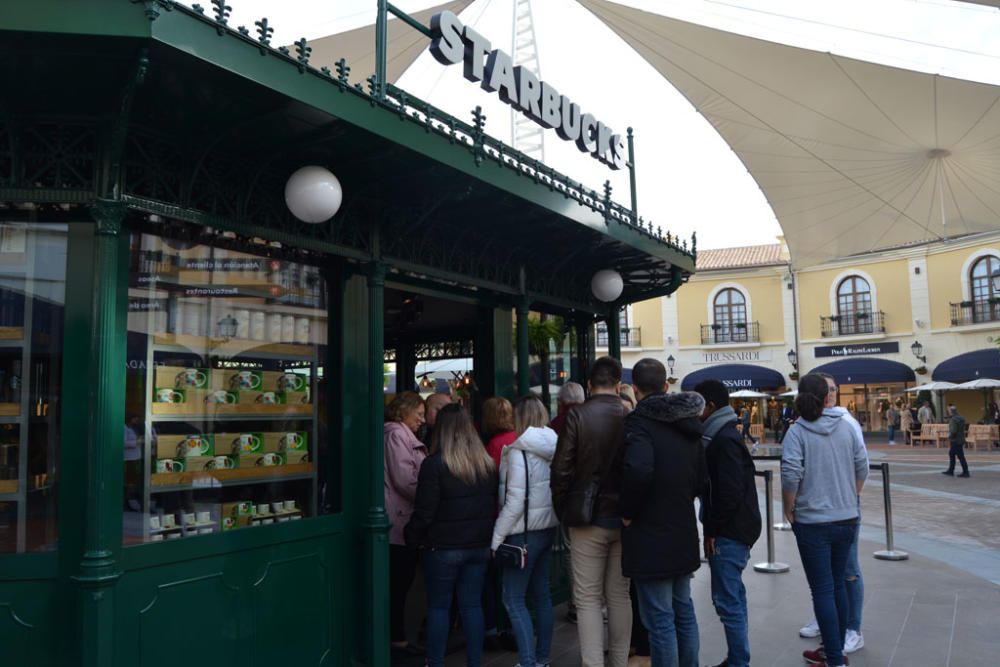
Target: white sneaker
[892,442]
[853,641]
[810,631]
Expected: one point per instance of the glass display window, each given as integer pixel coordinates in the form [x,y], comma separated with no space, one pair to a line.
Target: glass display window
[226,352]
[32,311]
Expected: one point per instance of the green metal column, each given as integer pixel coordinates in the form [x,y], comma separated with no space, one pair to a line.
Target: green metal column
[614,334]
[376,524]
[98,570]
[523,357]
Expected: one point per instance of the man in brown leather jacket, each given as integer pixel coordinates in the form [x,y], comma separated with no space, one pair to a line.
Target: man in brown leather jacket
[586,484]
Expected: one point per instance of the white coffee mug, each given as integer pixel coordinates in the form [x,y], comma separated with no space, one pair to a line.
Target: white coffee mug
[267,398]
[169,521]
[282,519]
[167,395]
[190,377]
[245,380]
[292,382]
[289,505]
[173,536]
[258,325]
[156,538]
[190,519]
[221,396]
[295,517]
[204,517]
[264,508]
[154,522]
[267,521]
[289,441]
[222,463]
[204,531]
[288,329]
[246,443]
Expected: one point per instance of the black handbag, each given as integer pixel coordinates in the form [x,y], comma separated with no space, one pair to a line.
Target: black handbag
[515,556]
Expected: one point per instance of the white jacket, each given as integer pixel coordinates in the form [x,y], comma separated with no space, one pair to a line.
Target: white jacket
[539,446]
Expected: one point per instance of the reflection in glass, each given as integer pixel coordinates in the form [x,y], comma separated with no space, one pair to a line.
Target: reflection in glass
[226,349]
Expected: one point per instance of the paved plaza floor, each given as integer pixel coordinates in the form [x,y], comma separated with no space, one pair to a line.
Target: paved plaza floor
[939,608]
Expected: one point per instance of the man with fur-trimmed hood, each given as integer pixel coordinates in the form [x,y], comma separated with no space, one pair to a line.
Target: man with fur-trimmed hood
[664,471]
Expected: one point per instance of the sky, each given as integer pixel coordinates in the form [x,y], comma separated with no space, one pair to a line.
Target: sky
[688,177]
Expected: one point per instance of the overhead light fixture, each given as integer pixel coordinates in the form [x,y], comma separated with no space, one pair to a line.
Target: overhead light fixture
[607,285]
[313,194]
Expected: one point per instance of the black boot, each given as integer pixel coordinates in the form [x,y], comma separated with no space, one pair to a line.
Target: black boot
[948,472]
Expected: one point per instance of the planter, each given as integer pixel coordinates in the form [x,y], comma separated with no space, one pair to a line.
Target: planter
[671,380]
[920,370]
[794,375]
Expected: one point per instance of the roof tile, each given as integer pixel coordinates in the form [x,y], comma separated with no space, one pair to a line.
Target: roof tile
[731,258]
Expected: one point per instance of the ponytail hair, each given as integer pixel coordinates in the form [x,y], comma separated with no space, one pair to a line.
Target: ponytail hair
[812,395]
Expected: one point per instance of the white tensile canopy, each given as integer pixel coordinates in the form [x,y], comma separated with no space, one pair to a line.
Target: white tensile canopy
[747,393]
[403,44]
[852,156]
[933,386]
[981,383]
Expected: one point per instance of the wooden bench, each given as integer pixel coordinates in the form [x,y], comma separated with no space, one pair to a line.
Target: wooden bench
[757,433]
[981,434]
[936,434]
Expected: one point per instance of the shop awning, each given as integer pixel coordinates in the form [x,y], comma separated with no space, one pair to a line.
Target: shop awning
[852,156]
[866,370]
[736,377]
[969,366]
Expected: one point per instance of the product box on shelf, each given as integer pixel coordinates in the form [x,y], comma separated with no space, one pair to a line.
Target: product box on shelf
[292,458]
[238,380]
[169,395]
[240,443]
[171,465]
[217,462]
[236,514]
[287,382]
[267,459]
[185,446]
[182,378]
[286,441]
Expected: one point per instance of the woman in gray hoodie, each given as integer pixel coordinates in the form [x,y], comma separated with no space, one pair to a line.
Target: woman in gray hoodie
[824,464]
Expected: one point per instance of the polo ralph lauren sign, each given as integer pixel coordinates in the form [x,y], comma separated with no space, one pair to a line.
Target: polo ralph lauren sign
[453,42]
[856,350]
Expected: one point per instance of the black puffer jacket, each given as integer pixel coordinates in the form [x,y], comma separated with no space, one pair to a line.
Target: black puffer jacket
[664,471]
[731,508]
[448,513]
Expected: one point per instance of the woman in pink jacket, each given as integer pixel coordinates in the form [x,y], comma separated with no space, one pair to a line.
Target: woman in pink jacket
[403,455]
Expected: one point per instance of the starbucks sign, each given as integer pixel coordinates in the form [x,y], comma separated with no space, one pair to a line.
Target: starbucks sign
[495,71]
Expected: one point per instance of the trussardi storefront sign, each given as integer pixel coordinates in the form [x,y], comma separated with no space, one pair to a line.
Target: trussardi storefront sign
[495,71]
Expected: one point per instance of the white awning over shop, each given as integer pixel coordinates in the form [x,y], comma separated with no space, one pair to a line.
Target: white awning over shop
[852,156]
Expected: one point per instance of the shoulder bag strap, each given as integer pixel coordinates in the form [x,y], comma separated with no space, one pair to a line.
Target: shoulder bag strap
[527,493]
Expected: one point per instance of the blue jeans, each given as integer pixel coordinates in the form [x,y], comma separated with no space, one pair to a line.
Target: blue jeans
[729,596]
[824,549]
[892,432]
[460,572]
[666,610]
[533,582]
[855,586]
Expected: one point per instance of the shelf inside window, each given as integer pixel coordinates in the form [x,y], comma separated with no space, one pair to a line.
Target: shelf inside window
[232,347]
[186,481]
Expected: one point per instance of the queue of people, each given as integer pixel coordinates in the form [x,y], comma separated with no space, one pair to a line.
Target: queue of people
[620,474]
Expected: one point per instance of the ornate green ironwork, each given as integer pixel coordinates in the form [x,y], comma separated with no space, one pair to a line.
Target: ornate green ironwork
[153,7]
[303,50]
[221,11]
[264,32]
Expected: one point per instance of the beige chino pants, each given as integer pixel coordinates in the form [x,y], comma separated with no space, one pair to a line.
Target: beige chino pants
[596,555]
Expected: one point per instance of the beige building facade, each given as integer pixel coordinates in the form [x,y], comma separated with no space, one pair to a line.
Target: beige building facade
[880,323]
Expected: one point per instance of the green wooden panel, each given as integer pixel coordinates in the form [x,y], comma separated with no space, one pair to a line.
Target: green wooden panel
[277,605]
[29,623]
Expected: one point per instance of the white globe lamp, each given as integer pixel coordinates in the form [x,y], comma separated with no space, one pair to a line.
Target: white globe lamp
[313,194]
[607,285]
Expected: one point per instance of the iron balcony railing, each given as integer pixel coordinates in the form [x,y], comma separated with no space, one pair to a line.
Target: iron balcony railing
[630,336]
[737,332]
[852,324]
[975,312]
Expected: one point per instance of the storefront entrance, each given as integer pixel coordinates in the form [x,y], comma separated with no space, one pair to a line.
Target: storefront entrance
[868,386]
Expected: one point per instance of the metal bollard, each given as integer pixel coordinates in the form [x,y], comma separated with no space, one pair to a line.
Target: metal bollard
[889,553]
[770,567]
[779,525]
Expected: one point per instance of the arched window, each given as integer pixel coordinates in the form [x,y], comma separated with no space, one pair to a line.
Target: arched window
[854,306]
[981,286]
[730,308]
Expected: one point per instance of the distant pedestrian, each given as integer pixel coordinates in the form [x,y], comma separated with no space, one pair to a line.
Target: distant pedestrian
[925,415]
[906,423]
[892,422]
[731,519]
[497,429]
[956,439]
[452,523]
[823,468]
[788,417]
[664,471]
[570,394]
